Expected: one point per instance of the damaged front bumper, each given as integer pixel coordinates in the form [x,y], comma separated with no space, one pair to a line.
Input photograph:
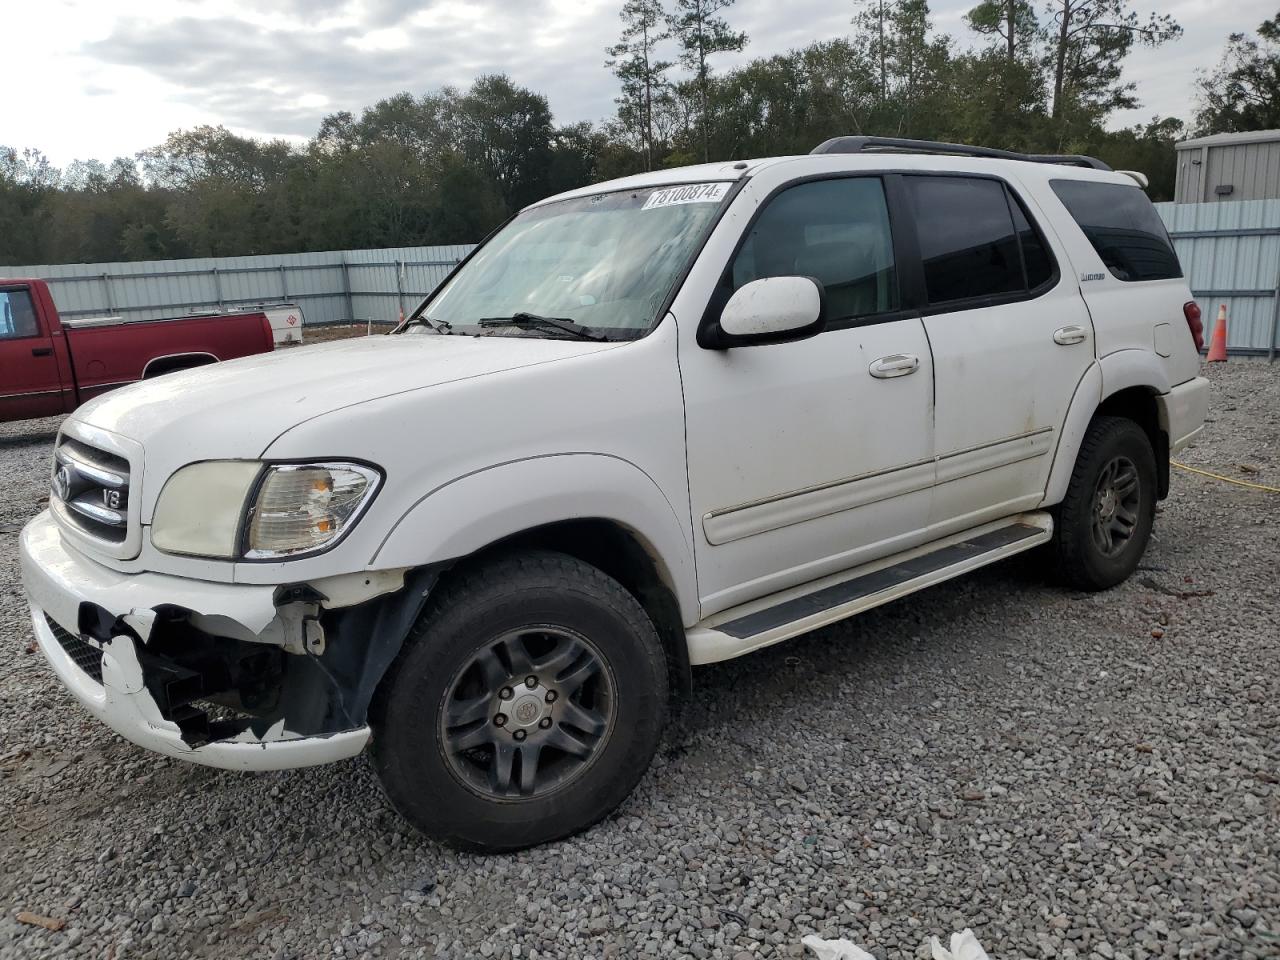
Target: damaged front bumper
[197,670]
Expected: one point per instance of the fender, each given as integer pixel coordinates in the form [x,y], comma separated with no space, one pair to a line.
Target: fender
[1115,372]
[479,509]
[1133,368]
[1084,404]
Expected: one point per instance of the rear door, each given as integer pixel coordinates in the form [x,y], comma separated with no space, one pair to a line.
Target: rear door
[30,383]
[1011,340]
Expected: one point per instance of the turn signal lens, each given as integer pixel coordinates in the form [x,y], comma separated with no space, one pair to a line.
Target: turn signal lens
[305,507]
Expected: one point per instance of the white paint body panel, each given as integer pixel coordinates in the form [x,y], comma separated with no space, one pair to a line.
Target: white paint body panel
[1003,387]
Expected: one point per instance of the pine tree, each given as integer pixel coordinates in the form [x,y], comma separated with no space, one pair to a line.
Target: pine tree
[634,62]
[701,33]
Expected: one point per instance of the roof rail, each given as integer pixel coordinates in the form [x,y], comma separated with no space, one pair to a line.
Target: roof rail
[894,144]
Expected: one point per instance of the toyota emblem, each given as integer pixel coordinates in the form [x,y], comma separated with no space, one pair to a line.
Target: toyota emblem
[62,482]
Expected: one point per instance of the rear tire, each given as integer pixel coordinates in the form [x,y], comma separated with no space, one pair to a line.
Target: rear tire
[1105,520]
[525,705]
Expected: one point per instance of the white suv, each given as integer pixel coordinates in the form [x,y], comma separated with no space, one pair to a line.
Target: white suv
[647,424]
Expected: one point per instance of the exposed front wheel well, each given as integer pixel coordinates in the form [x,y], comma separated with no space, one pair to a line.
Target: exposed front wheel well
[1139,405]
[618,552]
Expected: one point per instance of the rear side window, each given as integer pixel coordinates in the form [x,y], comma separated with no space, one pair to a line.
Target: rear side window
[1123,227]
[1035,255]
[17,315]
[968,242]
[836,231]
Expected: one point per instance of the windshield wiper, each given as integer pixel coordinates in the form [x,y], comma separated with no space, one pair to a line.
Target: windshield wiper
[531,321]
[439,326]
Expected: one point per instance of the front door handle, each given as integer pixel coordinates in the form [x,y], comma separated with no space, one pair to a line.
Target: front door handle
[894,365]
[1065,336]
[42,351]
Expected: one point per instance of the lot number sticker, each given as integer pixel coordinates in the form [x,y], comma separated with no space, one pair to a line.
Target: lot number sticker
[689,193]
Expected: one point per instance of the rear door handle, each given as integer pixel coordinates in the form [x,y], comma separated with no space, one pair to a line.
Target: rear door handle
[1065,336]
[42,351]
[894,365]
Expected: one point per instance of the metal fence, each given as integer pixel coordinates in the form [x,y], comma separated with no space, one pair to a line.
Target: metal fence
[1231,254]
[330,286]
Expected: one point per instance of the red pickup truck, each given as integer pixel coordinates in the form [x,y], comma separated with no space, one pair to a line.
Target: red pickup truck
[50,366]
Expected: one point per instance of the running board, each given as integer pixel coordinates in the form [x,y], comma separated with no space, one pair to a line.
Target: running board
[790,613]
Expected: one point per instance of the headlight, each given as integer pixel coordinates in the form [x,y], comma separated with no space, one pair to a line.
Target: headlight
[201,508]
[246,509]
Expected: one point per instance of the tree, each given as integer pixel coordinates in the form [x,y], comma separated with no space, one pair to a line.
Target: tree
[908,60]
[701,33]
[1091,38]
[871,23]
[1014,21]
[1243,93]
[635,63]
[506,131]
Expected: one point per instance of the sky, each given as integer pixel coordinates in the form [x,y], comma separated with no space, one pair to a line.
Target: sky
[107,79]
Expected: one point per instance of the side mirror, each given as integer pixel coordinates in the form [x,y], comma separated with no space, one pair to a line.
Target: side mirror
[772,310]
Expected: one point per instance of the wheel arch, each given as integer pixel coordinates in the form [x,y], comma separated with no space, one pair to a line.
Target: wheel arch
[624,555]
[172,362]
[601,509]
[1140,404]
[1124,384]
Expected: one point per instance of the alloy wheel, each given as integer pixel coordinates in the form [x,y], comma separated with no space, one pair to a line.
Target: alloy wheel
[1116,502]
[528,713]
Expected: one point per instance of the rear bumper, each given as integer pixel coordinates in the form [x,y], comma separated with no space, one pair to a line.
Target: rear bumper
[1182,412]
[59,580]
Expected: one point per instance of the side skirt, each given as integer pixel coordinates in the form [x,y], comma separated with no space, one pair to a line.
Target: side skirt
[786,614]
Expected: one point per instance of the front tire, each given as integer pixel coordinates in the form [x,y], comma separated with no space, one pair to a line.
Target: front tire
[525,705]
[1105,520]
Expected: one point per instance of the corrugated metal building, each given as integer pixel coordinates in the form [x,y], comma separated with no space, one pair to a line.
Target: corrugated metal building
[1229,166]
[1230,253]
[330,286]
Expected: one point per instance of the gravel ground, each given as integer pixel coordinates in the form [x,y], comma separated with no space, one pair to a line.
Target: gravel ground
[1070,775]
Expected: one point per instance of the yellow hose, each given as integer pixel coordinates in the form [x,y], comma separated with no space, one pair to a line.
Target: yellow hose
[1218,476]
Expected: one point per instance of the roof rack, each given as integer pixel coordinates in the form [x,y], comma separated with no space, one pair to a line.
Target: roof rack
[894,144]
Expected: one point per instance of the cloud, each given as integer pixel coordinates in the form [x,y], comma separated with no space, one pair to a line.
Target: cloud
[276,79]
[122,75]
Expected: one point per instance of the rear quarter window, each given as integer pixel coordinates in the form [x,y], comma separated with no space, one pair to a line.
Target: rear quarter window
[1123,227]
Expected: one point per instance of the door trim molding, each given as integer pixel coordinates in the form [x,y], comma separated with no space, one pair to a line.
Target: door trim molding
[727,524]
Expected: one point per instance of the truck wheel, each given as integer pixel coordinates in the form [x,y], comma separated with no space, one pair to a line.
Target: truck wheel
[525,705]
[1105,520]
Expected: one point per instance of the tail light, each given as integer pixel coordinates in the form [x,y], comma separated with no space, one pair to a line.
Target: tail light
[1191,310]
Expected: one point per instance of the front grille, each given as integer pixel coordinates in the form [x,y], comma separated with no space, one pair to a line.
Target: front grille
[84,654]
[93,487]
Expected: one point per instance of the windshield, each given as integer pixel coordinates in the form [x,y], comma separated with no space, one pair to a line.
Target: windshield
[605,262]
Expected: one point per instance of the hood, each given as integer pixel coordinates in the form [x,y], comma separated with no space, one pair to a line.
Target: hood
[237,408]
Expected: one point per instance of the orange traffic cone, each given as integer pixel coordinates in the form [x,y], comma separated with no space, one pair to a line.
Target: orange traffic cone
[1218,342]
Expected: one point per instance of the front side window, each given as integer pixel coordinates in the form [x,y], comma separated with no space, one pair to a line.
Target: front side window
[17,315]
[1123,227]
[967,238]
[603,263]
[836,231]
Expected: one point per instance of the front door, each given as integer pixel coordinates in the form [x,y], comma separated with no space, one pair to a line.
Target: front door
[810,457]
[30,384]
[1011,342]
